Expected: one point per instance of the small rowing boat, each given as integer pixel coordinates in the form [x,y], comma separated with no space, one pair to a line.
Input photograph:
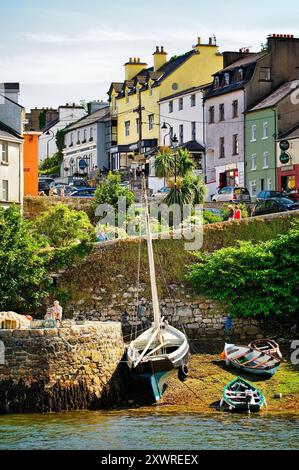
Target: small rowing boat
[241,396]
[267,346]
[250,360]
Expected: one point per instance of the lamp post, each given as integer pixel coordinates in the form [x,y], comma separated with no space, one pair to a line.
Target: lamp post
[173,144]
[49,132]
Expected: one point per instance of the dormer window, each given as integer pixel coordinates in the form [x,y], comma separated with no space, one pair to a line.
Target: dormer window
[216,82]
[127,97]
[226,79]
[240,75]
[150,90]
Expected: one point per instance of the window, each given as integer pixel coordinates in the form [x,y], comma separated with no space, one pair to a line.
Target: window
[181,134]
[226,79]
[71,139]
[265,130]
[4,151]
[235,108]
[265,74]
[216,82]
[262,184]
[266,160]
[150,122]
[193,130]
[127,128]
[253,133]
[78,137]
[253,161]
[138,125]
[193,100]
[235,144]
[253,188]
[240,75]
[221,112]
[84,135]
[91,134]
[221,147]
[211,114]
[269,184]
[170,107]
[5,190]
[181,104]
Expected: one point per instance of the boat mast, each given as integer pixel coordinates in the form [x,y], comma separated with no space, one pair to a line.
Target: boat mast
[155,299]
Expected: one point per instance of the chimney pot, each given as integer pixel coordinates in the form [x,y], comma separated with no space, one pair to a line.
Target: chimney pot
[157,49]
[162,48]
[199,40]
[210,41]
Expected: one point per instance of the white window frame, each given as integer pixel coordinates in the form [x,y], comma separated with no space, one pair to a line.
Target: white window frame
[265,131]
[193,130]
[151,122]
[181,104]
[170,107]
[127,128]
[4,151]
[236,147]
[269,184]
[265,155]
[193,100]
[5,196]
[253,133]
[253,185]
[91,134]
[253,159]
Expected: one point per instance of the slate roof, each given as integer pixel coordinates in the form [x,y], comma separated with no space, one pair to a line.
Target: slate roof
[193,146]
[292,133]
[90,119]
[276,96]
[252,57]
[6,131]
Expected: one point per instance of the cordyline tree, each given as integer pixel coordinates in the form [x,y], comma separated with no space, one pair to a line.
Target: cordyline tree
[23,277]
[253,280]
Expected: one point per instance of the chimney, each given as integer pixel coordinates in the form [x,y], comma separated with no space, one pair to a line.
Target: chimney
[133,67]
[11,91]
[94,106]
[160,57]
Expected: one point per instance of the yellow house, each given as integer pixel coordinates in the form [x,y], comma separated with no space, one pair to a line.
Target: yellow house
[136,100]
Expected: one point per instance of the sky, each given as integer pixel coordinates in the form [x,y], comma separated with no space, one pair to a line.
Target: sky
[70,50]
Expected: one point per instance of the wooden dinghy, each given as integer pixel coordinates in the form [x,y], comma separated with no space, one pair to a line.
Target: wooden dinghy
[267,346]
[241,396]
[250,360]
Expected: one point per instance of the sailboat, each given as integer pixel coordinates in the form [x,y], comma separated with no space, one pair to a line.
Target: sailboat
[161,350]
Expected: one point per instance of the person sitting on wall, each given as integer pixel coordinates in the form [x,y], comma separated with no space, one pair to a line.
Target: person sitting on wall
[54,313]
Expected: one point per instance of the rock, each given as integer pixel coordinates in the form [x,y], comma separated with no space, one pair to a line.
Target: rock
[277,396]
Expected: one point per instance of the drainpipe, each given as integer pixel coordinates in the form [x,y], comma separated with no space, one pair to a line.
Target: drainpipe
[275,145]
[244,137]
[204,141]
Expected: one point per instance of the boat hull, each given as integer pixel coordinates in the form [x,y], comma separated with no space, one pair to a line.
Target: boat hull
[250,360]
[240,396]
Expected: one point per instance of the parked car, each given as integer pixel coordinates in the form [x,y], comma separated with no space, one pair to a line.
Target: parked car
[84,192]
[270,194]
[232,194]
[78,182]
[274,205]
[44,184]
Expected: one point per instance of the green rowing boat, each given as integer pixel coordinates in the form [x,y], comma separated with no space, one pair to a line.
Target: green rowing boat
[241,396]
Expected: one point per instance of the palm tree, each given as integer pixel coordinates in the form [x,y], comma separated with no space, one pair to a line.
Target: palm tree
[184,164]
[164,164]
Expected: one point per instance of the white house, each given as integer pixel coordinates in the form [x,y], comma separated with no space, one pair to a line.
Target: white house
[85,149]
[12,117]
[66,115]
[224,140]
[181,114]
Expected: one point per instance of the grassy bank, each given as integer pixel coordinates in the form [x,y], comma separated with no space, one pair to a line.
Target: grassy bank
[208,376]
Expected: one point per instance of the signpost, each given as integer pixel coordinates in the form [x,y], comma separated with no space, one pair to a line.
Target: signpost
[284,145]
[284,158]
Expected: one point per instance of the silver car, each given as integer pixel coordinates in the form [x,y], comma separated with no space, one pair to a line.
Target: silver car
[232,194]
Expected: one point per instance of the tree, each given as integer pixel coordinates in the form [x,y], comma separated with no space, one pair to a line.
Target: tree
[110,190]
[23,278]
[61,226]
[253,280]
[164,164]
[187,190]
[184,164]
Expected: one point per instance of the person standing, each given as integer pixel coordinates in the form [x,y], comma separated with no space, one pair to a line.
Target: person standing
[238,214]
[231,213]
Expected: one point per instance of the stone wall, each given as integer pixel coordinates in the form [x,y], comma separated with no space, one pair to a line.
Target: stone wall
[73,367]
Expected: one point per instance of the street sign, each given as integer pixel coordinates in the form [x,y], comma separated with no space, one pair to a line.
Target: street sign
[284,158]
[284,145]
[82,164]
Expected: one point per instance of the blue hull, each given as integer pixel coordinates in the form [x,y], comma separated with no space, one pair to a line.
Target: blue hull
[155,382]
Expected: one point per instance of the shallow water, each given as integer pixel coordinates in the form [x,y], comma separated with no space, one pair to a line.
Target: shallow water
[147,429]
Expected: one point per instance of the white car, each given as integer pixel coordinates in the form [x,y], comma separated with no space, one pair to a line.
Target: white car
[232,194]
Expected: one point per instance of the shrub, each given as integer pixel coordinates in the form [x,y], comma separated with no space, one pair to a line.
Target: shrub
[111,190]
[253,280]
[61,226]
[23,277]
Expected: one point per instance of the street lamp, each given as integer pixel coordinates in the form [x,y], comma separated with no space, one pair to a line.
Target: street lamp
[49,132]
[174,142]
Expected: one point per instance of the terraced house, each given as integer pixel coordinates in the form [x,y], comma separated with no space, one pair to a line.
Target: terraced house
[135,101]
[245,80]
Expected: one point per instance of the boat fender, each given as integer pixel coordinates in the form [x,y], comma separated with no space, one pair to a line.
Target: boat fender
[183,373]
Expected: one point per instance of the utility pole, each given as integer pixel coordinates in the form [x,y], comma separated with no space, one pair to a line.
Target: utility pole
[140,122]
